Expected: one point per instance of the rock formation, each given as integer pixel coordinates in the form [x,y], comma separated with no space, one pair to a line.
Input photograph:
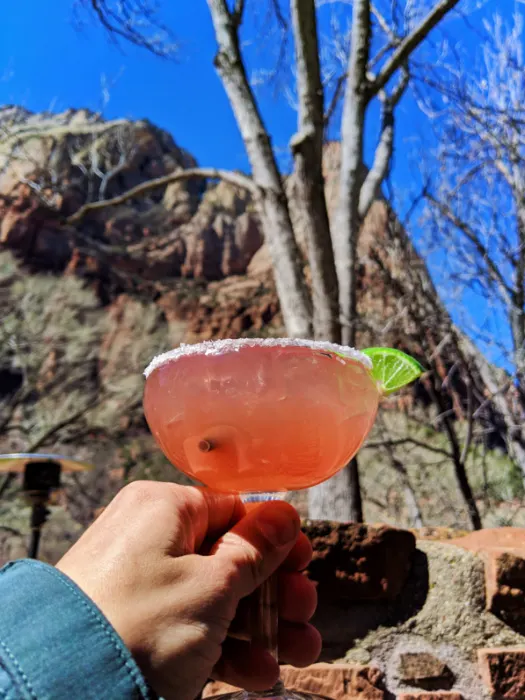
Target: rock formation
[194,252]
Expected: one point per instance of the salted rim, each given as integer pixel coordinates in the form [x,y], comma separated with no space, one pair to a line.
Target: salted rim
[219,347]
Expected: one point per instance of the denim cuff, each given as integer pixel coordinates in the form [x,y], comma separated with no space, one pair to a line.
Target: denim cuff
[56,644]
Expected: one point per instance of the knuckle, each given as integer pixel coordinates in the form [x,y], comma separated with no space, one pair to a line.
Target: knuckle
[189,499]
[141,492]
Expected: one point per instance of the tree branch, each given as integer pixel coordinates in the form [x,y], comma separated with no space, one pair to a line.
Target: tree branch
[470,234]
[385,148]
[279,15]
[408,441]
[11,530]
[238,12]
[335,99]
[470,421]
[378,171]
[409,44]
[54,429]
[385,27]
[6,483]
[237,179]
[122,25]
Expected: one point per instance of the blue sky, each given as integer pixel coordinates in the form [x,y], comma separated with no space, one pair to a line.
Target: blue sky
[47,62]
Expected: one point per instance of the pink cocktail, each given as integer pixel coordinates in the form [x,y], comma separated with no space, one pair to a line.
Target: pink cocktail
[259,416]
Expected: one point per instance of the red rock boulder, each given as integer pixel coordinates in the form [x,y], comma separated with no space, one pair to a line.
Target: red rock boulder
[359,562]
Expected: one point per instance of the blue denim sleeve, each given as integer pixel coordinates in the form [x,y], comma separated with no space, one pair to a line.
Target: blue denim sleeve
[55,644]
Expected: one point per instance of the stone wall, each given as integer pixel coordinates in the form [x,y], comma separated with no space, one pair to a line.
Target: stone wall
[416,615]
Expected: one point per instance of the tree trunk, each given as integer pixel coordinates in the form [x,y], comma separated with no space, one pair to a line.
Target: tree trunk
[517,320]
[414,512]
[347,220]
[307,149]
[340,497]
[287,265]
[459,465]
[337,499]
[515,445]
[273,208]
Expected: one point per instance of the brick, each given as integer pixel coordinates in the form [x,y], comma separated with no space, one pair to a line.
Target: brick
[503,550]
[356,562]
[512,538]
[505,583]
[503,672]
[335,681]
[426,671]
[430,696]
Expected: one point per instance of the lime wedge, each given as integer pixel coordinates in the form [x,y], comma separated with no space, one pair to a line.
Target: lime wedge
[392,369]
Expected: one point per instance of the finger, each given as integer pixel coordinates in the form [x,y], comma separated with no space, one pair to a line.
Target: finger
[249,666]
[299,644]
[297,560]
[223,512]
[179,516]
[256,546]
[297,597]
[246,665]
[209,514]
[301,554]
[297,600]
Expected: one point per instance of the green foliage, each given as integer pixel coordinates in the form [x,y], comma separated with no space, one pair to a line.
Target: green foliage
[421,452]
[50,332]
[495,476]
[82,366]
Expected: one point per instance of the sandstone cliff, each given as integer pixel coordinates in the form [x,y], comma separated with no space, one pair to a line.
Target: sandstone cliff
[188,262]
[50,165]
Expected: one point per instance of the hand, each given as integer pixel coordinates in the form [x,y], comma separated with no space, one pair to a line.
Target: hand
[168,566]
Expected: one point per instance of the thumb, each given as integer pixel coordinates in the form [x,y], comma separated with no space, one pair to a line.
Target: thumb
[257,545]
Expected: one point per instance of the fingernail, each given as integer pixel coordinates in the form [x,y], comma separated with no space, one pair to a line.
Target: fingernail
[277,526]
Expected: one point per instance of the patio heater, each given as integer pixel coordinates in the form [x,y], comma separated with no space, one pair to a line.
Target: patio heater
[41,476]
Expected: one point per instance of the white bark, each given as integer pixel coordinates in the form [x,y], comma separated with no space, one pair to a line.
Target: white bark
[340,497]
[273,209]
[307,148]
[347,220]
[233,178]
[371,187]
[331,500]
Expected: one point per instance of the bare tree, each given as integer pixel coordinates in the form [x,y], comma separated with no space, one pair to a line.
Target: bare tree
[136,21]
[476,209]
[328,310]
[453,393]
[356,192]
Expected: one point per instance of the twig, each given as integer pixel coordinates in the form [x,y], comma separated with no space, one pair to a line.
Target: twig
[409,441]
[470,421]
[409,44]
[11,530]
[237,179]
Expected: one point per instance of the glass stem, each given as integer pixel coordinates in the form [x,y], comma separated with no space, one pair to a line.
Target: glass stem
[264,623]
[264,613]
[265,617]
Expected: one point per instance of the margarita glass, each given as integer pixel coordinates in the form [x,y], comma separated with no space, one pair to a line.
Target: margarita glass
[261,417]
